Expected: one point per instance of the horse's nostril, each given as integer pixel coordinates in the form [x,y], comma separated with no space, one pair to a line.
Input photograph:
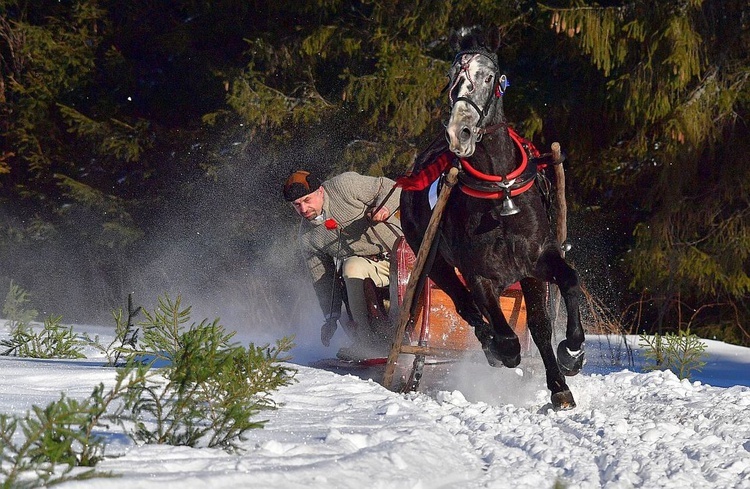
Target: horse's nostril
[465,134]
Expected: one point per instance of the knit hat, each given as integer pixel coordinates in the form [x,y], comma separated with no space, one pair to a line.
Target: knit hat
[299,184]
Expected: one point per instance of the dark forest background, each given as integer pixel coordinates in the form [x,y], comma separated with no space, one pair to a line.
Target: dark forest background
[143,143]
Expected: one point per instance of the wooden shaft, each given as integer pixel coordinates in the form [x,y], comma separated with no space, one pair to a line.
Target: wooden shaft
[424,250]
[562,217]
[562,206]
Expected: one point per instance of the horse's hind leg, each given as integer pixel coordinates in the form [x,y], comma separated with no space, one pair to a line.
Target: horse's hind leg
[445,277]
[553,268]
[535,293]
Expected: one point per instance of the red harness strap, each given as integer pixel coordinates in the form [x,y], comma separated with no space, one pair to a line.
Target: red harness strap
[520,142]
[494,188]
[483,194]
[422,179]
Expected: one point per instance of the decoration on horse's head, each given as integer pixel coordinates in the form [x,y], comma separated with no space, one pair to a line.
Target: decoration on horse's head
[475,88]
[501,86]
[468,43]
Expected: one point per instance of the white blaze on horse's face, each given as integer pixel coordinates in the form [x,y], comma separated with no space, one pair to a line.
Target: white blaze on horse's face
[471,89]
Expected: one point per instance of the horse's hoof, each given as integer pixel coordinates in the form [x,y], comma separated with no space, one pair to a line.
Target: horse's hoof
[491,360]
[570,362]
[512,362]
[563,401]
[507,350]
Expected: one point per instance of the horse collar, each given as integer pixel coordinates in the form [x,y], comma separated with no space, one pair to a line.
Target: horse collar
[484,186]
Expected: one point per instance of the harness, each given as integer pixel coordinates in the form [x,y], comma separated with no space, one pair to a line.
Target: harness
[484,186]
[474,183]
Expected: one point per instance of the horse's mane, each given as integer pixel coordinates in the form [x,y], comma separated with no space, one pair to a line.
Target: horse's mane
[438,146]
[474,40]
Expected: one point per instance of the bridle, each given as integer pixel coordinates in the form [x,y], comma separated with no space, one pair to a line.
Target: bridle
[461,69]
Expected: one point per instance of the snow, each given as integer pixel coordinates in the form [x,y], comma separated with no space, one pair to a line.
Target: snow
[473,427]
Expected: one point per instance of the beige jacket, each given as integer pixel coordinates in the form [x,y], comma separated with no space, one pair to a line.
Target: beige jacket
[347,198]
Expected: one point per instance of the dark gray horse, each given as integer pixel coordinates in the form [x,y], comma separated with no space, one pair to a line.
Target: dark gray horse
[495,228]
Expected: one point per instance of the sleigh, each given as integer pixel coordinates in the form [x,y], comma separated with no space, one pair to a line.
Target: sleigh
[428,330]
[438,335]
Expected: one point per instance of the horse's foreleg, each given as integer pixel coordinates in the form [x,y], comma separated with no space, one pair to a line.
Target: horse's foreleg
[570,351]
[538,322]
[503,342]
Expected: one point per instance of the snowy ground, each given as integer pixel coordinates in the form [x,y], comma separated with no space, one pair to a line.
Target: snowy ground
[479,427]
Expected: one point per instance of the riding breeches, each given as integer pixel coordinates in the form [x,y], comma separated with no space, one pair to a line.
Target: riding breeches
[355,270]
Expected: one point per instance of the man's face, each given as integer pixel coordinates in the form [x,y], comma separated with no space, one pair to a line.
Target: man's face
[310,206]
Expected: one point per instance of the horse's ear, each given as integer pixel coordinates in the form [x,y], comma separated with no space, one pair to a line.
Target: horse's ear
[454,41]
[493,38]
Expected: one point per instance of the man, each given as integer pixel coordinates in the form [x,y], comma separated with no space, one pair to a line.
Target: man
[347,222]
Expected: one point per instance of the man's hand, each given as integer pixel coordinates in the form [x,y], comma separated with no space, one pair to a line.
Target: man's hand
[379,216]
[327,331]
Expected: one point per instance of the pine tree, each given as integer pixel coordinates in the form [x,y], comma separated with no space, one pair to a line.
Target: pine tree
[111,110]
[677,97]
[48,60]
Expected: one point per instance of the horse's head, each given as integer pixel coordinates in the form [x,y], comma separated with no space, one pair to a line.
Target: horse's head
[474,89]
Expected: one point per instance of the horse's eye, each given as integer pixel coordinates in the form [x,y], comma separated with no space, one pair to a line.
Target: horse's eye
[488,79]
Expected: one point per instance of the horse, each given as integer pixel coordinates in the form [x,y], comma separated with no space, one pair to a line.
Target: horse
[495,229]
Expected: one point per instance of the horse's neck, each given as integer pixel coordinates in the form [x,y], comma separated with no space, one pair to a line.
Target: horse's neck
[499,152]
